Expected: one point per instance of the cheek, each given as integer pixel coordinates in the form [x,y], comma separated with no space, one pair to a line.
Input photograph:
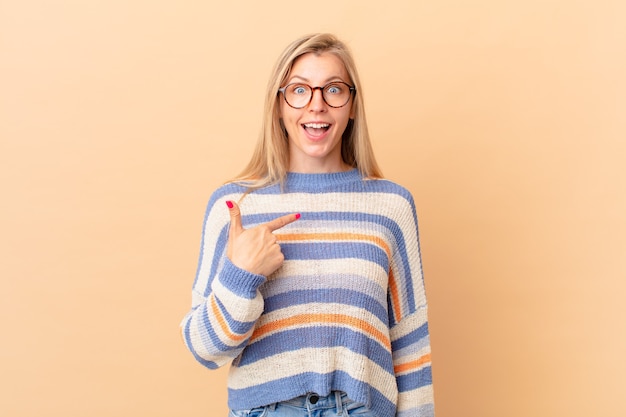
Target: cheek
[286,113]
[289,122]
[345,119]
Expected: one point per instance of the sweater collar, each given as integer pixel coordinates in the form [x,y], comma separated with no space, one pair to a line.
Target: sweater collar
[302,182]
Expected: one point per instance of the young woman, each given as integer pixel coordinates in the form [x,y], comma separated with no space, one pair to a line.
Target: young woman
[310,280]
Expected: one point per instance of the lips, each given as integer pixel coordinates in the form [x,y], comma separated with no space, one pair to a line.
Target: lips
[316,129]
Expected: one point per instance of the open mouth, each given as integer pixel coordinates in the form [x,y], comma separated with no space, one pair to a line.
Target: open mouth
[316,129]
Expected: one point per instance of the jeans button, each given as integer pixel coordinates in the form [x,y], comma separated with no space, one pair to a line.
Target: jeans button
[313,399]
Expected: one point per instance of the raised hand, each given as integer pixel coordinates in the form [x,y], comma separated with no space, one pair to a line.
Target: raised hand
[255,250]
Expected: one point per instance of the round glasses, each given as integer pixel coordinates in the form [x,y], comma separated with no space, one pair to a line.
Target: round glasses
[335,94]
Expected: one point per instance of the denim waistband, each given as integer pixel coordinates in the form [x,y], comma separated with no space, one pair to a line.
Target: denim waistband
[313,401]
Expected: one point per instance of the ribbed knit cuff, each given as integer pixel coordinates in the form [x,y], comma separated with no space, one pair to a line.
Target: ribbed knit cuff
[239,281]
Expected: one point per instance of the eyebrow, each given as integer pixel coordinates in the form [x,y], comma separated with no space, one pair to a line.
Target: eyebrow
[329,79]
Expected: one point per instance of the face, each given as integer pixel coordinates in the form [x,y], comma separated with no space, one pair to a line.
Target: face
[315,130]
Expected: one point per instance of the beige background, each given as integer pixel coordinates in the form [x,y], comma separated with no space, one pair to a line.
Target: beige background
[506,119]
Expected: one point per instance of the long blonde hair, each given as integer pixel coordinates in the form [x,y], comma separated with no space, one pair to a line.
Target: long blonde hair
[270,160]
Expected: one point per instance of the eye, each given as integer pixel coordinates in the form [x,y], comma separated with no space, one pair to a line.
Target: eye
[299,89]
[334,89]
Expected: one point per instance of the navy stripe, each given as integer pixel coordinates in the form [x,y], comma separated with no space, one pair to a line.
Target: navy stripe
[415,380]
[410,338]
[330,295]
[336,250]
[239,281]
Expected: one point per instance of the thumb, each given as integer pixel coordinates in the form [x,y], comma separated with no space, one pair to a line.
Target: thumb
[235,220]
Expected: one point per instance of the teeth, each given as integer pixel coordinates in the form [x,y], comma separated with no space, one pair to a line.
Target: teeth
[316,125]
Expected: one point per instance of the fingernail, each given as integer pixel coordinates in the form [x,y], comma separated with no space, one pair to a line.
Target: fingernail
[229,204]
[297,216]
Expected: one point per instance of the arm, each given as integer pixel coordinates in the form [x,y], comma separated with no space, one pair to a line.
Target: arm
[226,301]
[234,263]
[412,365]
[410,338]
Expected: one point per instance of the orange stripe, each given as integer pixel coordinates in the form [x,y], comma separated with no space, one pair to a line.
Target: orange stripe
[222,322]
[289,237]
[412,365]
[393,287]
[322,319]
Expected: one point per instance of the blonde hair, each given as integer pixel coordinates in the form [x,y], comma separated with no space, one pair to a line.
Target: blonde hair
[270,160]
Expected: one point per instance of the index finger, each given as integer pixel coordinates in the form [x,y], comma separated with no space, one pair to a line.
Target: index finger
[282,221]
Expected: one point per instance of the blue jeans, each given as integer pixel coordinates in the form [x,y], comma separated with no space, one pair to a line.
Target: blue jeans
[337,404]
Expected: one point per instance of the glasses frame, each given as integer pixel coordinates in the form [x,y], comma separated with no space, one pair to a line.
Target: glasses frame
[322,88]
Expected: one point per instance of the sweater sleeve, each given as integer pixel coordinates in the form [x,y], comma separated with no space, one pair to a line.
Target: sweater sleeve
[226,301]
[410,341]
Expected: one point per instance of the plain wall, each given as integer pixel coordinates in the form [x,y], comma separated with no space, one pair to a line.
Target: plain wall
[506,120]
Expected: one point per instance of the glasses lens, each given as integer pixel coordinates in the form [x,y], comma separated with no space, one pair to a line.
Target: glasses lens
[337,94]
[297,95]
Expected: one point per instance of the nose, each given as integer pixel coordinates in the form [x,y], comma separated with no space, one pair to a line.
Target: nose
[317,100]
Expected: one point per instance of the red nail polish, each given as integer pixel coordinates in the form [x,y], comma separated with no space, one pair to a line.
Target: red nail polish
[297,216]
[229,204]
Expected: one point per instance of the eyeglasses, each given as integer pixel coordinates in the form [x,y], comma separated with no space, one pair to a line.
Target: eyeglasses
[335,94]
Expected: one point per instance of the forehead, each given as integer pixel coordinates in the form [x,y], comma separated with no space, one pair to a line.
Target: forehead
[321,67]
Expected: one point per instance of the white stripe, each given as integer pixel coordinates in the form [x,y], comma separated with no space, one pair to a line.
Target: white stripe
[409,324]
[320,361]
[415,398]
[382,203]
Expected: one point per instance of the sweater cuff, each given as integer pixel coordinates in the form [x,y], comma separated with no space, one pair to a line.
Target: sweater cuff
[239,281]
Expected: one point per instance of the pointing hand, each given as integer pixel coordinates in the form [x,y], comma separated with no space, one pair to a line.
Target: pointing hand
[255,250]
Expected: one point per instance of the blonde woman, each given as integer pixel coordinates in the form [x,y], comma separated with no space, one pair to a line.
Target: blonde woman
[309,282]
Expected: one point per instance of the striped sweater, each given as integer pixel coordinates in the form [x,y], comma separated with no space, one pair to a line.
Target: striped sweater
[346,311]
